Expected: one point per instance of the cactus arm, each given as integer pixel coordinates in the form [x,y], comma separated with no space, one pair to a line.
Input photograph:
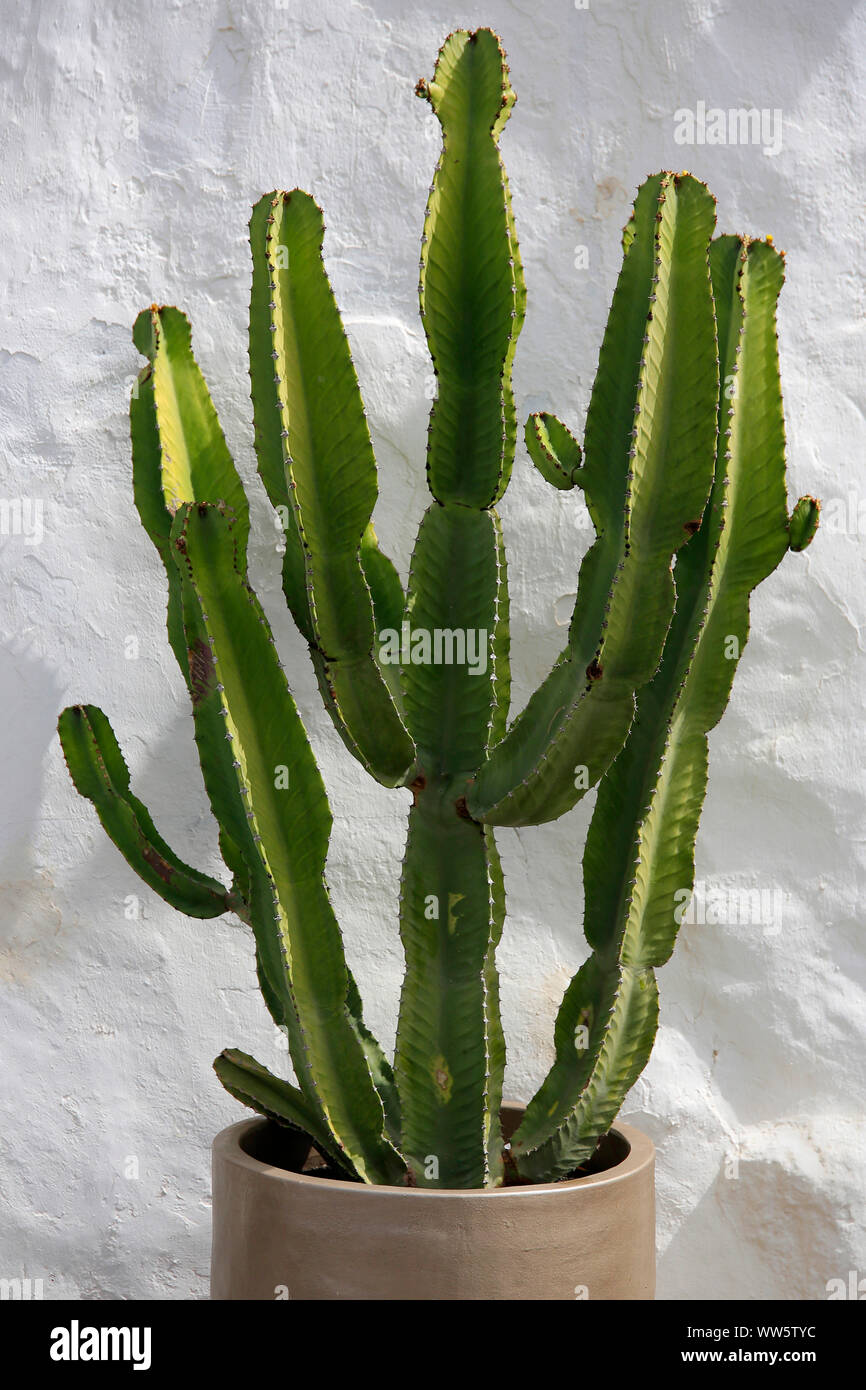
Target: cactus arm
[99,772]
[518,315]
[147,482]
[646,474]
[639,858]
[218,765]
[268,422]
[804,523]
[501,643]
[194,462]
[383,581]
[290,823]
[171,402]
[158,491]
[471,283]
[318,467]
[494,1035]
[386,592]
[217,760]
[251,883]
[554,450]
[448,1054]
[237,865]
[380,1068]
[215,754]
[604,1033]
[278,1100]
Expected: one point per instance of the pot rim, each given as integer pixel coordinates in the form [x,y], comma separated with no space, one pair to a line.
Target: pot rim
[227,1148]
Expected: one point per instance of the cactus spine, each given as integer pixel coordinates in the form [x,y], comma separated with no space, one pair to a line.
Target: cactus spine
[683,472]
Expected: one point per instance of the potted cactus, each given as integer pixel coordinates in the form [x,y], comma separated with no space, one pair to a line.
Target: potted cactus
[365,1178]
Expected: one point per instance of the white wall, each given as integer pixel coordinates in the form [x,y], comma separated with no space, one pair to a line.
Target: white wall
[135,137]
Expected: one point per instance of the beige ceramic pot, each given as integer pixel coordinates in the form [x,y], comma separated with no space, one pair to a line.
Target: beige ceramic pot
[281,1234]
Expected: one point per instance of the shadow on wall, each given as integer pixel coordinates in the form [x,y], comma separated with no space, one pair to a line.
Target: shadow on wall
[30,691]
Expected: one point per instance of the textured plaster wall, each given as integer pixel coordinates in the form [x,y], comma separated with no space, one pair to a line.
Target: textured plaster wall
[135,137]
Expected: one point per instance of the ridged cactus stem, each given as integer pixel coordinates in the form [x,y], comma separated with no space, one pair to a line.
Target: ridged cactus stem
[682,467]
[646,472]
[471,288]
[450,1049]
[316,460]
[639,859]
[450,910]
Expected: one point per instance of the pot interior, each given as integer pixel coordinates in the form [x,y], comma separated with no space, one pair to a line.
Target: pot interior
[279,1147]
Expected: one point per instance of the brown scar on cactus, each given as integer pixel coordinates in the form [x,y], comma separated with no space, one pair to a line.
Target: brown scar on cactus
[202,671]
[160,865]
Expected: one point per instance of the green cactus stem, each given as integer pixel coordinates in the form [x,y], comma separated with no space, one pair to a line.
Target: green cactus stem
[316,461]
[639,858]
[683,471]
